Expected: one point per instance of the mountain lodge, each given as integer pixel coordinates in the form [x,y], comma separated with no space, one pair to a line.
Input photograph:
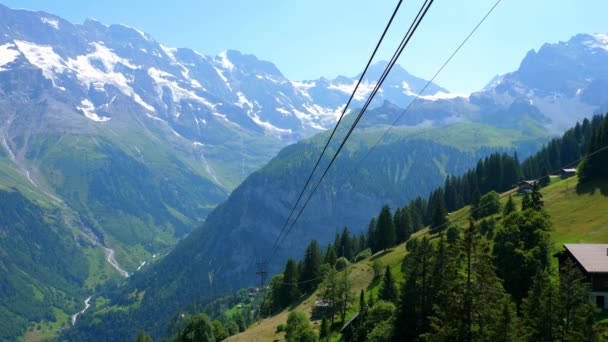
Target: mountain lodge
[592,260]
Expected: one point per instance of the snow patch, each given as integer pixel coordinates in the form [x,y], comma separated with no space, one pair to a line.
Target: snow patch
[88,109]
[141,33]
[243,100]
[54,23]
[363,90]
[221,74]
[8,54]
[600,41]
[225,62]
[268,126]
[43,57]
[304,84]
[440,95]
[164,79]
[169,52]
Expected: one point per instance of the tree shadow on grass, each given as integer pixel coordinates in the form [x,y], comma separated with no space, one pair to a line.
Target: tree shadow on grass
[591,187]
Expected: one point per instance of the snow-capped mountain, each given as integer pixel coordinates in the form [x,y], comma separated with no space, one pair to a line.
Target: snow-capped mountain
[143,140]
[557,85]
[93,65]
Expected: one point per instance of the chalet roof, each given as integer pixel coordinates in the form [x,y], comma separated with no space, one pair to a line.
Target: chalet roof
[527,182]
[593,257]
[569,170]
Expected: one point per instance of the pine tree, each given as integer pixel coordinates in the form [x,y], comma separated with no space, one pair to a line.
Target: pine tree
[324,332]
[386,229]
[329,290]
[388,289]
[536,198]
[540,311]
[509,206]
[473,296]
[415,302]
[290,279]
[345,297]
[345,245]
[330,256]
[475,204]
[402,225]
[574,296]
[311,268]
[372,242]
[526,202]
[439,217]
[362,242]
[596,166]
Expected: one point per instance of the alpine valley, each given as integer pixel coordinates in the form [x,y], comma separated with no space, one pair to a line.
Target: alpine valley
[142,178]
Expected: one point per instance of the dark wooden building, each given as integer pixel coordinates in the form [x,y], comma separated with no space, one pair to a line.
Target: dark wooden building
[592,259]
[567,173]
[525,187]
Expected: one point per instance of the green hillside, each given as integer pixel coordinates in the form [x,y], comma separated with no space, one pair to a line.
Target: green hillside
[250,219]
[577,217]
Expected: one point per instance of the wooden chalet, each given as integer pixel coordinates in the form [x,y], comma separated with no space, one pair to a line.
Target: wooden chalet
[525,187]
[592,260]
[567,173]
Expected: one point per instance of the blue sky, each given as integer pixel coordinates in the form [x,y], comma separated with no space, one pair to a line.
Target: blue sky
[313,38]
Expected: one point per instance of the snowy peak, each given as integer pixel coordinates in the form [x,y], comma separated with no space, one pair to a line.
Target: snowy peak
[99,66]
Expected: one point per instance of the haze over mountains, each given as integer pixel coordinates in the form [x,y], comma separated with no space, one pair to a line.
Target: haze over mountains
[117,140]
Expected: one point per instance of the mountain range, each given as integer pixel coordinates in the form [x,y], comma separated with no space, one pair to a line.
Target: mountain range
[125,146]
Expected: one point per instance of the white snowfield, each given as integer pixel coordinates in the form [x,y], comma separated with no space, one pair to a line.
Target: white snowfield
[8,54]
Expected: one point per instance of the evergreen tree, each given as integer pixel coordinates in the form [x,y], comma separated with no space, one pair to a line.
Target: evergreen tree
[439,217]
[475,204]
[595,165]
[473,296]
[509,206]
[540,311]
[385,229]
[388,289]
[345,245]
[415,300]
[362,304]
[522,240]
[329,290]
[330,256]
[402,225]
[526,202]
[324,331]
[574,303]
[372,242]
[362,242]
[536,198]
[290,291]
[311,268]
[345,297]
